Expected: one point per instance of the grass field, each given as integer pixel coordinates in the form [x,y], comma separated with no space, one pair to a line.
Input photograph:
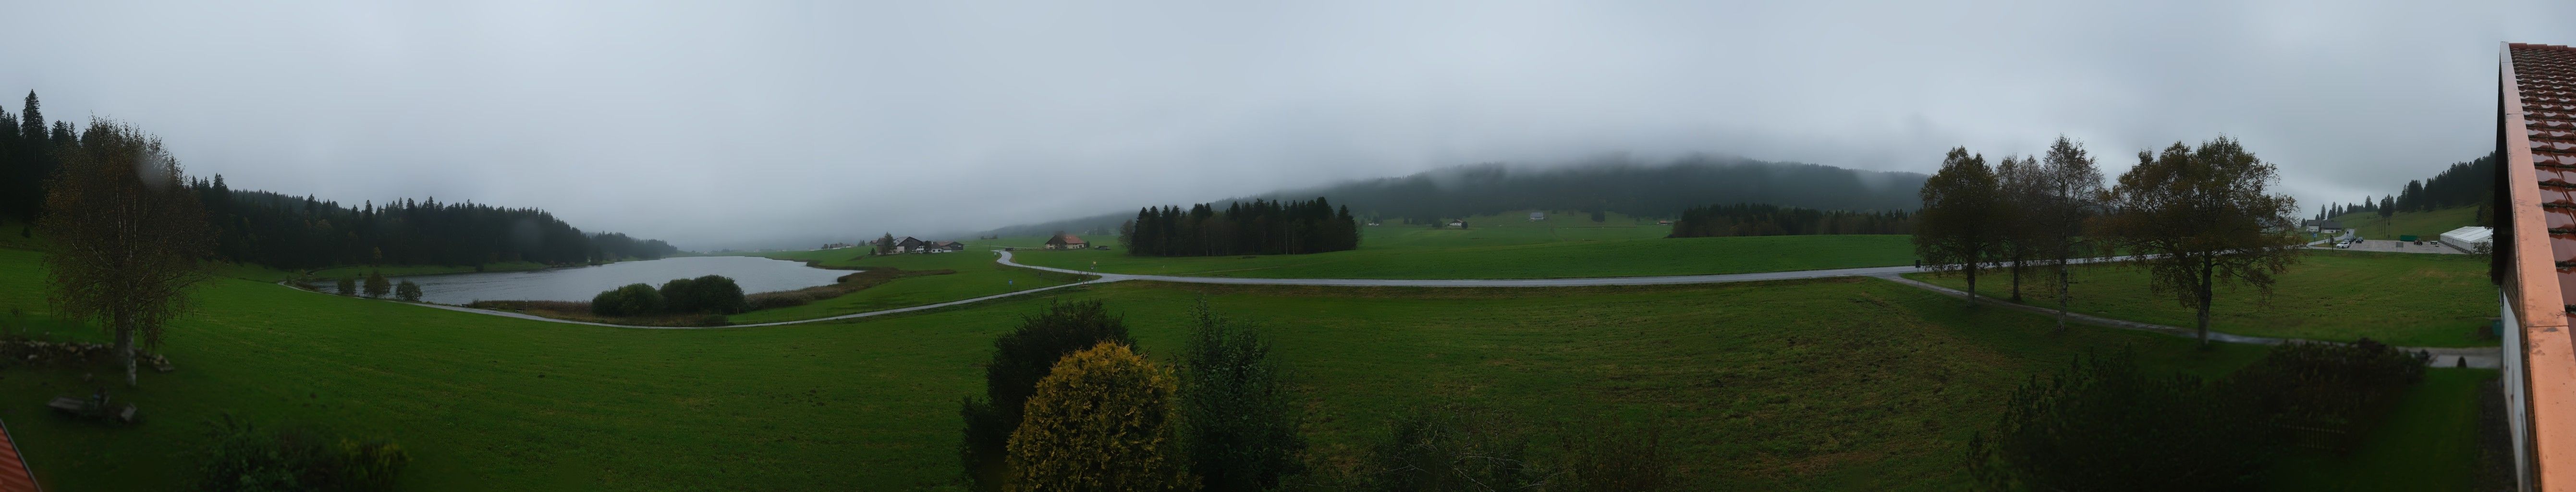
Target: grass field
[977,276]
[1844,384]
[2429,225]
[2404,299]
[1511,252]
[2400,455]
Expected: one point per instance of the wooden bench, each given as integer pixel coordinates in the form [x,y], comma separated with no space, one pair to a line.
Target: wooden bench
[70,405]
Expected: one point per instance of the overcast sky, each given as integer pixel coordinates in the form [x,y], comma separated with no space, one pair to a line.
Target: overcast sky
[734,124]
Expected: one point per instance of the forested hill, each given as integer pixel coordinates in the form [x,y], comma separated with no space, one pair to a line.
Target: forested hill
[1638,189]
[299,232]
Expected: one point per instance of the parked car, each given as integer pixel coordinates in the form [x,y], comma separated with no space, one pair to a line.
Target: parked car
[2344,244]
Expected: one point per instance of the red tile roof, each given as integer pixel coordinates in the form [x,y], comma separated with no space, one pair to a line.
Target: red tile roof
[14,475]
[2536,136]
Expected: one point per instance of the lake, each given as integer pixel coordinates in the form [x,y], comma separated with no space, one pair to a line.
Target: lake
[581,283]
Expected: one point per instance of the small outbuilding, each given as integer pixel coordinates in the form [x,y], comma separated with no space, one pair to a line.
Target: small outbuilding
[1066,241]
[2470,239]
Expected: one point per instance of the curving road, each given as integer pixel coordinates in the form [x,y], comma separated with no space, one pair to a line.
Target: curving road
[2485,357]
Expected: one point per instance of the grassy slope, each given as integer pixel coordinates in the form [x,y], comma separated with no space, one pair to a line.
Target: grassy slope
[1836,385]
[2430,225]
[1517,252]
[977,276]
[2404,299]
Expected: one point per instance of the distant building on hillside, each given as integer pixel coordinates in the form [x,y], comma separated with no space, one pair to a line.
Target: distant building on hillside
[906,244]
[2323,225]
[944,247]
[1066,241]
[1538,216]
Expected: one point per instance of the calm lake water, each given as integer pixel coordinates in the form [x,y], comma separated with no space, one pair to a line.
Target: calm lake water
[580,284]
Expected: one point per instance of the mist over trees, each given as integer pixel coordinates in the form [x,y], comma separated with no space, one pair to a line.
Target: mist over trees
[1607,185]
[302,232]
[292,232]
[1260,227]
[1746,219]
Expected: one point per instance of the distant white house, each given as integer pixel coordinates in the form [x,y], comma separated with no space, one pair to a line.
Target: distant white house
[2470,239]
[1538,216]
[2323,225]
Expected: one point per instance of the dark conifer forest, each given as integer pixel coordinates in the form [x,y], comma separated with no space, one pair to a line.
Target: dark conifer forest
[292,232]
[1257,227]
[1746,219]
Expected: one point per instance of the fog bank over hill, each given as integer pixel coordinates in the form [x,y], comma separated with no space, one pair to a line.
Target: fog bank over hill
[1614,184]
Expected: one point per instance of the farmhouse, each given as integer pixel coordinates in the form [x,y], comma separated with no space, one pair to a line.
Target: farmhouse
[1066,241]
[2322,225]
[944,247]
[906,244]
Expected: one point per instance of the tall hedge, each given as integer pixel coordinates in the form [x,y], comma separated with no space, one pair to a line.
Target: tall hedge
[1103,420]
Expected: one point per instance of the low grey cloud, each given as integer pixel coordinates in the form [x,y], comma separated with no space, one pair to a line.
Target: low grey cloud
[746,124]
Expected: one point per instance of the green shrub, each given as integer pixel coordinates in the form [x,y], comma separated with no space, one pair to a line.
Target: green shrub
[1611,458]
[244,458]
[631,300]
[1238,419]
[1020,360]
[709,294]
[407,291]
[1102,420]
[2106,425]
[376,284]
[348,286]
[1448,449]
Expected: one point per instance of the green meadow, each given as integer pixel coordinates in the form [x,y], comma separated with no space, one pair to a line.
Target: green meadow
[2423,300]
[1522,250]
[1840,384]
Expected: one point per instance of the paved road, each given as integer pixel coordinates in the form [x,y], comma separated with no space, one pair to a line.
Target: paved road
[2486,357]
[1543,282]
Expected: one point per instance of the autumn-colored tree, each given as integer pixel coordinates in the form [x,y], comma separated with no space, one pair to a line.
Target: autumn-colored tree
[1102,420]
[126,234]
[1959,229]
[2199,217]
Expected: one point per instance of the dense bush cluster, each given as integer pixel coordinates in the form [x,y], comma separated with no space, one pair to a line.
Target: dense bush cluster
[1020,360]
[1069,406]
[246,459]
[629,300]
[1102,419]
[2106,424]
[1745,219]
[712,294]
[1243,228]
